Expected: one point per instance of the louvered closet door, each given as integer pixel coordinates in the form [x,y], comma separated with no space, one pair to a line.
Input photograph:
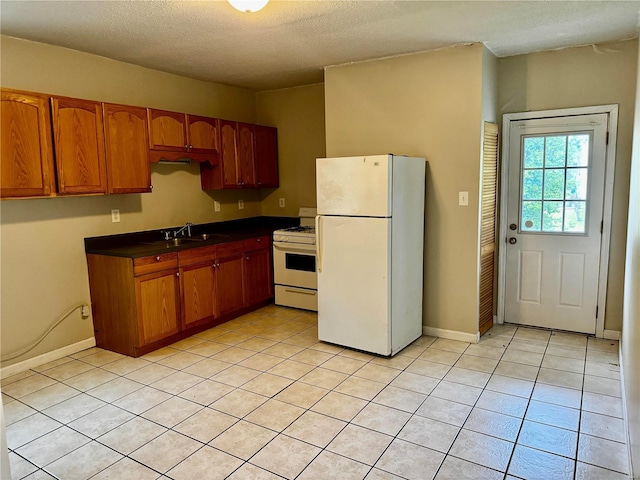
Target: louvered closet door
[488,225]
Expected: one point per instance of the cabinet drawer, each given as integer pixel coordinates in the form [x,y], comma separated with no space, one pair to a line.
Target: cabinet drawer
[257,243]
[196,255]
[229,249]
[155,263]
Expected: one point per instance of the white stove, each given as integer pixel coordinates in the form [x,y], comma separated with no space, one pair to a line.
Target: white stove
[306,235]
[294,263]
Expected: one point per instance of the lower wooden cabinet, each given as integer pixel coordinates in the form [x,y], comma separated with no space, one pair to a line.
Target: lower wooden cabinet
[158,306]
[257,274]
[229,284]
[142,304]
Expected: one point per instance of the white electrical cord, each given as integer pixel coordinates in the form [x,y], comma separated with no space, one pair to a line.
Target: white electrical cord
[33,345]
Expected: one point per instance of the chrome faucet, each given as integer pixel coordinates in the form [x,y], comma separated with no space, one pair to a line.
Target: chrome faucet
[180,231]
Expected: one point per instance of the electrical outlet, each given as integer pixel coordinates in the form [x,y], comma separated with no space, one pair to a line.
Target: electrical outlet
[84,311]
[216,205]
[281,202]
[115,215]
[463,199]
[240,204]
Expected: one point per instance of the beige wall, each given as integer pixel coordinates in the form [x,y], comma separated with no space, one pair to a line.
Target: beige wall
[299,115]
[576,77]
[428,105]
[630,344]
[43,267]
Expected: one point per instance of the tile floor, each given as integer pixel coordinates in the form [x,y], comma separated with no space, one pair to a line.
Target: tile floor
[260,398]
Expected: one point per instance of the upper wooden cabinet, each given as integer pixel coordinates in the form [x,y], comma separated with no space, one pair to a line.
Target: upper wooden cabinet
[26,149]
[127,149]
[228,156]
[79,146]
[177,135]
[248,158]
[246,165]
[266,156]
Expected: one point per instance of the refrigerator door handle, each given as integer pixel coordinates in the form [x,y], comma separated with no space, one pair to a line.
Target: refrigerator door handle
[318,245]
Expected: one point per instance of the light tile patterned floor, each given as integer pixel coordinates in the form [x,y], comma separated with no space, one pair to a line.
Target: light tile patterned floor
[260,398]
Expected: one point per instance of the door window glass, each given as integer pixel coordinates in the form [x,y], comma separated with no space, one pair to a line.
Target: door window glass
[554,183]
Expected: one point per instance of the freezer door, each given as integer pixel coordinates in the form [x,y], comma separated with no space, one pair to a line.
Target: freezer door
[354,186]
[353,282]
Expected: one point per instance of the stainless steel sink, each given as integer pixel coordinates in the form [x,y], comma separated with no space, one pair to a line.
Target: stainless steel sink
[209,236]
[174,242]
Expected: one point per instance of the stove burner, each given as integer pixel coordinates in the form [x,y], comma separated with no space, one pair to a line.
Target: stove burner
[298,229]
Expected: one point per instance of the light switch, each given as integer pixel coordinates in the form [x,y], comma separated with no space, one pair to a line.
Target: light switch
[216,206]
[115,215]
[281,202]
[463,199]
[240,204]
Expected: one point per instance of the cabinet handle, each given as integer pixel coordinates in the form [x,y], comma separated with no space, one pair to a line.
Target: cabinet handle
[158,258]
[177,274]
[190,146]
[247,258]
[258,240]
[186,146]
[151,187]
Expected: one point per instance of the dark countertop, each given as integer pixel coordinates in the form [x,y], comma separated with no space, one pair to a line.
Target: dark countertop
[142,244]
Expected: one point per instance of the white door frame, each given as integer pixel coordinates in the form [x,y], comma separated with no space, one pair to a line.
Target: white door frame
[612,128]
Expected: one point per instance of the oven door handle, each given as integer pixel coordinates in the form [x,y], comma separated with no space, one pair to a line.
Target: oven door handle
[288,247]
[318,244]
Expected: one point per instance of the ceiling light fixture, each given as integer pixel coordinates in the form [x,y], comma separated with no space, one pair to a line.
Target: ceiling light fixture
[248,6]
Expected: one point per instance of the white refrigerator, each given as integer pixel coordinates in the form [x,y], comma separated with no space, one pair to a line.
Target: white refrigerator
[370,234]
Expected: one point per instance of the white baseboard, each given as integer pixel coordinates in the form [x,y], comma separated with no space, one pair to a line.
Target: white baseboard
[612,334]
[624,409]
[47,357]
[451,334]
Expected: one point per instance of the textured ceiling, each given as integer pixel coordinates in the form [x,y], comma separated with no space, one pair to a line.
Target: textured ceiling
[289,42]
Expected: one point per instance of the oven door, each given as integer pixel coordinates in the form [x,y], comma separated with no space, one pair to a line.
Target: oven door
[294,264]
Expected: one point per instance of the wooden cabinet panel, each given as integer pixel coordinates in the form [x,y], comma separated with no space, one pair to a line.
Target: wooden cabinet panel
[157,305]
[197,288]
[202,134]
[246,155]
[79,146]
[26,157]
[155,263]
[127,149]
[229,285]
[167,130]
[228,154]
[257,276]
[266,156]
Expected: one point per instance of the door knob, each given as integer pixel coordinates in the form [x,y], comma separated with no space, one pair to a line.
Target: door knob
[513,240]
[513,226]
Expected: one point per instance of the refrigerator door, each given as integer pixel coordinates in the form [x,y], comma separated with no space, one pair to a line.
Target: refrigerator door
[353,282]
[354,186]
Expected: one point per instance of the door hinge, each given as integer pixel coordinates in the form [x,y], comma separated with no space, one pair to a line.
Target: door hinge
[601,226]
[607,139]
[596,311]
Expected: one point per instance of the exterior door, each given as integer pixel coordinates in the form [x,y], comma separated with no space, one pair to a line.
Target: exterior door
[554,221]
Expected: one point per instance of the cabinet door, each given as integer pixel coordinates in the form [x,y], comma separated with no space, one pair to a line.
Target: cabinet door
[266,156]
[127,149]
[167,131]
[157,305]
[228,154]
[26,149]
[196,285]
[257,275]
[246,155]
[202,134]
[79,146]
[229,284]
